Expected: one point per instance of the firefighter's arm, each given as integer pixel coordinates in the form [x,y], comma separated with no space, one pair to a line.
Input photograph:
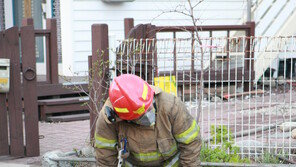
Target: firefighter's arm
[186,133]
[105,142]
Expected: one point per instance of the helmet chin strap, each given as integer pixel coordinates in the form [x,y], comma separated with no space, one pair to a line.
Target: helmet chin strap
[148,119]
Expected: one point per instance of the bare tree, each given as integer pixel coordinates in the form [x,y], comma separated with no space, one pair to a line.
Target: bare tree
[189,11]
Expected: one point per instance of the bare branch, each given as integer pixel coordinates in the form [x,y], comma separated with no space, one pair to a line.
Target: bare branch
[199,2]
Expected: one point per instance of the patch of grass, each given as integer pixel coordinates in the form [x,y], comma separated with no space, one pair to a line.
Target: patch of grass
[220,133]
[268,158]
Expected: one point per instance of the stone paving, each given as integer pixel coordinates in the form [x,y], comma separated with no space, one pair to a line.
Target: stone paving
[64,136]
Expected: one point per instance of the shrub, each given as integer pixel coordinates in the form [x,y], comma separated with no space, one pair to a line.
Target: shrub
[227,152]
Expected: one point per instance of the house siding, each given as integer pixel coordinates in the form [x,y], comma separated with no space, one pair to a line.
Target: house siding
[87,12]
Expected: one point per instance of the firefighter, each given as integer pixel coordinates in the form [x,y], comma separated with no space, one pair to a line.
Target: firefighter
[145,126]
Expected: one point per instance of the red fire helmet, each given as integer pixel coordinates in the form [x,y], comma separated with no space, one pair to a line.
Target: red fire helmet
[130,96]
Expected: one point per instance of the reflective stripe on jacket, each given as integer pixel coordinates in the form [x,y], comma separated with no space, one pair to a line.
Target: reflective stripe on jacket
[174,162]
[105,143]
[175,136]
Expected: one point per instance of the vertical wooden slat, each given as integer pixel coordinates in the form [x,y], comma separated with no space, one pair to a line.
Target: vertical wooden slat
[252,34]
[175,53]
[150,33]
[52,57]
[249,55]
[4,147]
[128,25]
[14,96]
[153,35]
[47,58]
[29,88]
[100,56]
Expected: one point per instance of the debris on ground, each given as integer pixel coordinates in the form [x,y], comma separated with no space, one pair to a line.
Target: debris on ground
[287,126]
[293,135]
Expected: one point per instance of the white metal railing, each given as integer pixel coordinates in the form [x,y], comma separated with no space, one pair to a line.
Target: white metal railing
[252,112]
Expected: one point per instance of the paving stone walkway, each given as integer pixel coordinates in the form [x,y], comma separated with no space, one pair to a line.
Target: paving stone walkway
[64,136]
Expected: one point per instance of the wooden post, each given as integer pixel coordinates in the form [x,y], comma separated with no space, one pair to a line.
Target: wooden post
[14,96]
[29,88]
[4,147]
[150,33]
[128,25]
[28,22]
[52,56]
[249,64]
[100,57]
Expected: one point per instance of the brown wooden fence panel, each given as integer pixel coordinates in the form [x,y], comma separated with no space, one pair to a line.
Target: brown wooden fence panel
[4,148]
[15,100]
[29,90]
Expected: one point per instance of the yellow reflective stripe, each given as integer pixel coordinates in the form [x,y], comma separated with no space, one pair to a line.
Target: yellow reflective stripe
[145,91]
[174,162]
[105,143]
[153,156]
[189,135]
[141,110]
[145,157]
[171,151]
[121,110]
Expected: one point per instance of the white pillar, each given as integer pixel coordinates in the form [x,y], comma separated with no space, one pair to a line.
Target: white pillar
[8,12]
[66,8]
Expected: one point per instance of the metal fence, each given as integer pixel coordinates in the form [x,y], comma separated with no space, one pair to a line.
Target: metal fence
[248,86]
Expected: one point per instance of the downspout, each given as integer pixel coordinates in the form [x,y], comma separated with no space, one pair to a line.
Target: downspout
[249,10]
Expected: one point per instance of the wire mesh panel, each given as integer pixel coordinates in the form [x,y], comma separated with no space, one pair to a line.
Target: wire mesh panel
[244,94]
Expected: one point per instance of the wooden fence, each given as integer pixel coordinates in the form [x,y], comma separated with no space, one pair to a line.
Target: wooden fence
[148,31]
[19,132]
[19,107]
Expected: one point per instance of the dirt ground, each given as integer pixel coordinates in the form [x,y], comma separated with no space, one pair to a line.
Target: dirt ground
[243,115]
[64,136]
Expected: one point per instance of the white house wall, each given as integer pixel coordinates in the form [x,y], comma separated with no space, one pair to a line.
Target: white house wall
[8,14]
[77,16]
